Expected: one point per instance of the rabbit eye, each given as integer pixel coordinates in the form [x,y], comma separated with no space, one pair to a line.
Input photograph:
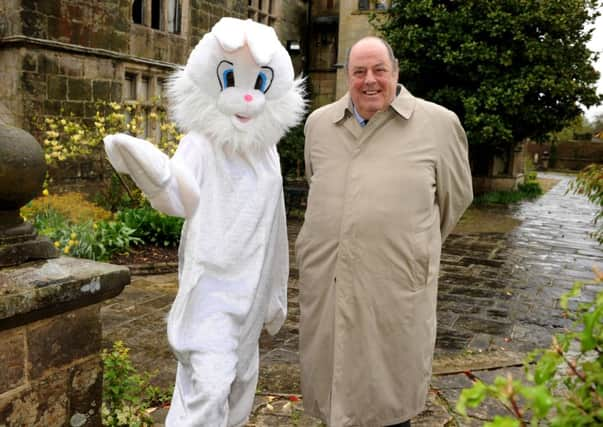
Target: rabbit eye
[264,79]
[228,78]
[260,82]
[225,73]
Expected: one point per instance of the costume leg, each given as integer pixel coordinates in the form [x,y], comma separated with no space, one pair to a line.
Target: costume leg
[205,340]
[243,388]
[203,385]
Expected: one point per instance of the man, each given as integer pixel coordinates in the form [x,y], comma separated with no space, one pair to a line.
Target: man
[384,194]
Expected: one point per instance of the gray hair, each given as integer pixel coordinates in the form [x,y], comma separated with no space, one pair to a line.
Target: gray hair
[390,52]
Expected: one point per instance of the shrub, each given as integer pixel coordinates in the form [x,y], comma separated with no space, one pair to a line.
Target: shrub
[291,151]
[152,226]
[589,182]
[92,240]
[72,206]
[126,393]
[528,190]
[564,383]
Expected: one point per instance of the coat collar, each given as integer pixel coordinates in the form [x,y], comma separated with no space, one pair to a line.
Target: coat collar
[404,104]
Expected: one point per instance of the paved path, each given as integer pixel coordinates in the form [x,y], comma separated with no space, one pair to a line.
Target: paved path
[497,299]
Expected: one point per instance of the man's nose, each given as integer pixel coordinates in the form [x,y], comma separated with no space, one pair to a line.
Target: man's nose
[369,77]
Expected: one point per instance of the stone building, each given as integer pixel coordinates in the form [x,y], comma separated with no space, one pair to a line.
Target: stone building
[62,56]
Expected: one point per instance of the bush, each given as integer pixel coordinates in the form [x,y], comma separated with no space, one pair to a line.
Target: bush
[589,182]
[152,226]
[72,206]
[126,393]
[92,240]
[564,383]
[528,190]
[291,151]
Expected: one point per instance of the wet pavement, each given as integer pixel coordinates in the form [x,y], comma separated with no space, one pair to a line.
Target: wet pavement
[498,299]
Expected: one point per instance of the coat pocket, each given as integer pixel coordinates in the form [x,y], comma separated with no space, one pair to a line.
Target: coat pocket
[422,257]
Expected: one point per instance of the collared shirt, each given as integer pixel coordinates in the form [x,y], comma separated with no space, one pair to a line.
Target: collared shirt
[361,120]
[400,107]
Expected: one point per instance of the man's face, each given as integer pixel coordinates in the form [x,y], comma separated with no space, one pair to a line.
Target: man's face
[372,78]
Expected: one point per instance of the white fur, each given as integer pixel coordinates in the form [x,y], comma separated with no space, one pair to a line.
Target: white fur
[193,110]
[198,103]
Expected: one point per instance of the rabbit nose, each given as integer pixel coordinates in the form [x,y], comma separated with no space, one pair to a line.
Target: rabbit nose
[248,98]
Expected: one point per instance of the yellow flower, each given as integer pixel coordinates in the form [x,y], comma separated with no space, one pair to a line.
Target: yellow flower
[45,192]
[66,250]
[57,244]
[73,236]
[63,122]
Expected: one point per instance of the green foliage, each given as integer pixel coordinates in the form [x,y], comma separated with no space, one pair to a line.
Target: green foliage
[152,226]
[92,240]
[126,393]
[579,128]
[291,151]
[528,190]
[510,69]
[563,384]
[589,182]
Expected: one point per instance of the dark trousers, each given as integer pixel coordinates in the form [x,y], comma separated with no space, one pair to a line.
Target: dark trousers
[404,424]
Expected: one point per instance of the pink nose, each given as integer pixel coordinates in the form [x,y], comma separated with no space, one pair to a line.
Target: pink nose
[248,98]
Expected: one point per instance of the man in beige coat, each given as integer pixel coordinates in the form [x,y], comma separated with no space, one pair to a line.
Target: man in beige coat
[383,197]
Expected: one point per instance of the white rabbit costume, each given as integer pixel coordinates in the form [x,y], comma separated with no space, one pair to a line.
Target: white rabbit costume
[235,98]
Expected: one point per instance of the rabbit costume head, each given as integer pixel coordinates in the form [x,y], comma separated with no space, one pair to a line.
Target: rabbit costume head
[238,87]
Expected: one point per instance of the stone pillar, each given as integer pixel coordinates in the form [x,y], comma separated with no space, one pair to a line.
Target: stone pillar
[50,328]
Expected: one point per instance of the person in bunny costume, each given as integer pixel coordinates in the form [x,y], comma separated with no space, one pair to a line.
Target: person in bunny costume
[235,98]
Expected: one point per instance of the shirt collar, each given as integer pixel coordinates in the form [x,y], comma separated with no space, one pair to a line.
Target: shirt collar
[403,104]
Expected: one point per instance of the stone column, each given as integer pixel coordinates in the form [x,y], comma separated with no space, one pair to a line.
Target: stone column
[50,328]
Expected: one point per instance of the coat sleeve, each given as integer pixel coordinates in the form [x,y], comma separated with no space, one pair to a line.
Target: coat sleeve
[453,177]
[307,144]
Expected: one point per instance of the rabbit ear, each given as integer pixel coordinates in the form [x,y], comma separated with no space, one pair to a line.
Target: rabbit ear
[261,39]
[262,42]
[229,33]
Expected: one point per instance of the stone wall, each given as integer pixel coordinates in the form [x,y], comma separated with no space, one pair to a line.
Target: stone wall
[572,155]
[50,329]
[52,371]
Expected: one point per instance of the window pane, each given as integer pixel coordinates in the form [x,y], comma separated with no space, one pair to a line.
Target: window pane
[156,14]
[137,11]
[363,4]
[130,86]
[174,16]
[144,89]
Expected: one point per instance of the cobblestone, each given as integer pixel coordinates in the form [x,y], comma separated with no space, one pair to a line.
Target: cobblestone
[498,298]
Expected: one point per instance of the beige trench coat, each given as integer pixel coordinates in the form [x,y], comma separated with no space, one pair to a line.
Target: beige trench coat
[382,200]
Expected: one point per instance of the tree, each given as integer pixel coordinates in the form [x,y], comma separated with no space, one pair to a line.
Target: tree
[511,69]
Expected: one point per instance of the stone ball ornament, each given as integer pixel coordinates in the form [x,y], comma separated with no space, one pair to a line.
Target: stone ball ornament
[22,168]
[22,172]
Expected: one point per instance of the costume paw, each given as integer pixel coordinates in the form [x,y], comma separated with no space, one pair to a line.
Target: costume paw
[148,167]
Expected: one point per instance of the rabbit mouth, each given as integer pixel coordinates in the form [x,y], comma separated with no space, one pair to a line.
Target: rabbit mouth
[242,118]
